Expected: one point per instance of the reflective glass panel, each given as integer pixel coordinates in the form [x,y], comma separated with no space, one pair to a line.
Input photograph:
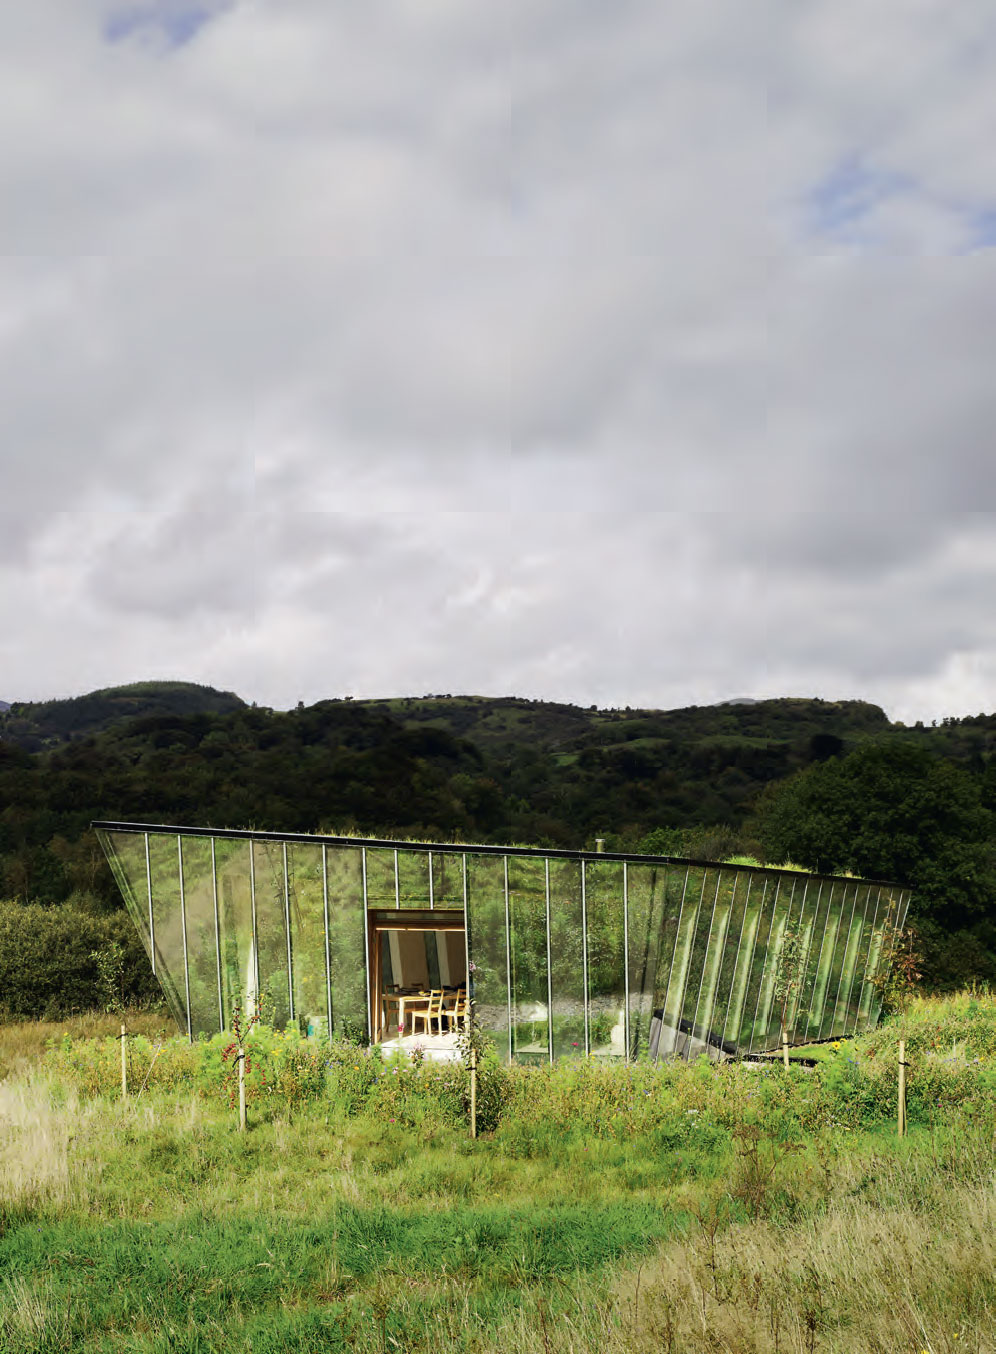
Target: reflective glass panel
[743,960]
[347,939]
[857,983]
[817,910]
[671,998]
[793,959]
[168,923]
[381,881]
[736,883]
[125,852]
[848,962]
[413,879]
[767,903]
[647,890]
[238,968]
[202,955]
[606,959]
[775,982]
[271,932]
[307,913]
[712,962]
[835,959]
[487,941]
[527,911]
[447,879]
[567,959]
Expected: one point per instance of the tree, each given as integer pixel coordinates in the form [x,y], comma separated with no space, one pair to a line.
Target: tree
[899,812]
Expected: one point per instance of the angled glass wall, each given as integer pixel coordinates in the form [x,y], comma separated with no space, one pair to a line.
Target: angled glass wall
[562,954]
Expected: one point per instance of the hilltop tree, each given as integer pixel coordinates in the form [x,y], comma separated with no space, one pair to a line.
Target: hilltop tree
[898,811]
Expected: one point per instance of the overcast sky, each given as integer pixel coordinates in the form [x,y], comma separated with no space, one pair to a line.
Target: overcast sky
[631,353]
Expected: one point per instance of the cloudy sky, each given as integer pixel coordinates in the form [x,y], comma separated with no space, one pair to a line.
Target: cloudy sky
[625,353]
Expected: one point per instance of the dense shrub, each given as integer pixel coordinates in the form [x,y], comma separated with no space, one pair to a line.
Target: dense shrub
[47,968]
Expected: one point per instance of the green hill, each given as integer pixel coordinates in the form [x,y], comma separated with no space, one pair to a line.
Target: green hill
[34,725]
[683,782]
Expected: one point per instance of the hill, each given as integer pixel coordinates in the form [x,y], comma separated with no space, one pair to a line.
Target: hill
[42,724]
[467,768]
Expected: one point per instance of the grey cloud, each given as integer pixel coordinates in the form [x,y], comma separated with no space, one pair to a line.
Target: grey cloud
[448,347]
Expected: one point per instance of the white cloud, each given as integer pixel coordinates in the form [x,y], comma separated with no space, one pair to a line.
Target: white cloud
[625,354]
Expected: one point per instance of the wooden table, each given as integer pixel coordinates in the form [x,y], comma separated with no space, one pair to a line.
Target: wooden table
[406,1004]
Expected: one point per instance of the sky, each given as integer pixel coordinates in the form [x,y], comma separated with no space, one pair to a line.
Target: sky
[632,354]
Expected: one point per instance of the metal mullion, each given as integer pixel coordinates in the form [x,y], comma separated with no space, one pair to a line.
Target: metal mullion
[721,959]
[736,956]
[397,882]
[217,935]
[328,951]
[625,956]
[584,958]
[183,928]
[674,951]
[152,920]
[508,960]
[843,958]
[432,895]
[549,970]
[760,978]
[366,947]
[809,950]
[287,936]
[255,932]
[705,953]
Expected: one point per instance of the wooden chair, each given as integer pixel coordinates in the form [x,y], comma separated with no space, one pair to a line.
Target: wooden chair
[456,1015]
[433,1011]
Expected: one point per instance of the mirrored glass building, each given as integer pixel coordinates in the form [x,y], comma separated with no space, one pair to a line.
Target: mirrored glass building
[561,952]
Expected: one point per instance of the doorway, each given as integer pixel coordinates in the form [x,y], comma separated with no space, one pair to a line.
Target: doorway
[418,980]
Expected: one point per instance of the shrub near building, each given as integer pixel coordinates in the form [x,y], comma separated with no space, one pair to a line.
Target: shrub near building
[48,967]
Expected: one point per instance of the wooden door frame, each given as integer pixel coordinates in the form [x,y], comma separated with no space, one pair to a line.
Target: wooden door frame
[380,920]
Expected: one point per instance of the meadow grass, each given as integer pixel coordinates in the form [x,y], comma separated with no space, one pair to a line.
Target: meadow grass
[620,1210]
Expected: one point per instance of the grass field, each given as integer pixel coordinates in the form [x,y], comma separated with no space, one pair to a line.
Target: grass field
[619,1210]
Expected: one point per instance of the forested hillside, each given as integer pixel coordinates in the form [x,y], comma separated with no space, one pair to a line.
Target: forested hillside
[705,781]
[39,724]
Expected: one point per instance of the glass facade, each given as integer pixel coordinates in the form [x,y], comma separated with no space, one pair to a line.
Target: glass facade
[563,953]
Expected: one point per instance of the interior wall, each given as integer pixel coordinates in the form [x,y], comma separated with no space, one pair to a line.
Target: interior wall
[452,958]
[411,969]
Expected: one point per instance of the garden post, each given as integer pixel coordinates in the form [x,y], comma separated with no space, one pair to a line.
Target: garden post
[902,1088]
[124,1066]
[242,1089]
[473,1092]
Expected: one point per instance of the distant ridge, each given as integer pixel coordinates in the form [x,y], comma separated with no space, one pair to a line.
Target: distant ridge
[35,725]
[4,706]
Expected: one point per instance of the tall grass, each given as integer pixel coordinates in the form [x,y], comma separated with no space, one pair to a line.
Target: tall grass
[615,1210]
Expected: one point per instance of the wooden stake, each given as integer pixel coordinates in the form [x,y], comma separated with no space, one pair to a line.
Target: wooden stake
[124,1066]
[785,1048]
[902,1088]
[473,1092]
[242,1090]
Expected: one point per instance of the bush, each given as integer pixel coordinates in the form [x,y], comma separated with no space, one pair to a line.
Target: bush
[48,964]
